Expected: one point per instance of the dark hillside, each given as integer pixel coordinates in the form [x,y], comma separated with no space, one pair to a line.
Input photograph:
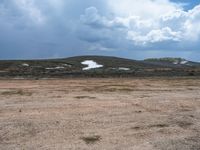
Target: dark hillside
[109,67]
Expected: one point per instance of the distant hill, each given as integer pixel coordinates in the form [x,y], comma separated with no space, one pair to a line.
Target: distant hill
[173,62]
[98,66]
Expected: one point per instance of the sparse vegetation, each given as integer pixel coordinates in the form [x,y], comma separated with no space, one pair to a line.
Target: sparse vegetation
[156,114]
[16,92]
[159,125]
[85,97]
[72,67]
[166,59]
[184,124]
[91,139]
[109,89]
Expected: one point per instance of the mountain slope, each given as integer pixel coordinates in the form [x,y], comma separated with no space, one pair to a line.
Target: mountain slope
[98,66]
[173,62]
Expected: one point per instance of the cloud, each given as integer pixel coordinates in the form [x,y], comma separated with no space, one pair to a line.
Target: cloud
[143,8]
[173,24]
[24,12]
[119,27]
[95,20]
[159,35]
[103,32]
[31,11]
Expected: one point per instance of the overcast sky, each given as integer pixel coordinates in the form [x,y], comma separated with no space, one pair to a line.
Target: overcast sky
[134,29]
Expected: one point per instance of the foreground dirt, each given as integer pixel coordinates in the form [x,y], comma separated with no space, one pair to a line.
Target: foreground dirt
[110,114]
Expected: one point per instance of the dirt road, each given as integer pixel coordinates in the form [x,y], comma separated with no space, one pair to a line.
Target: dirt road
[97,114]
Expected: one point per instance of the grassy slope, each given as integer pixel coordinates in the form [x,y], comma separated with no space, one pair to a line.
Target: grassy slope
[38,67]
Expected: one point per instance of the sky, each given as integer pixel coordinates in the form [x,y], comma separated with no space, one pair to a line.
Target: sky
[135,29]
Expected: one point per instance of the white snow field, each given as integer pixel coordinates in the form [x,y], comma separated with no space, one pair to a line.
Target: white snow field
[91,64]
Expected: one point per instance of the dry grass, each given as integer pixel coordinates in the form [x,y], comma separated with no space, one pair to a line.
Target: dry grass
[16,92]
[84,97]
[91,139]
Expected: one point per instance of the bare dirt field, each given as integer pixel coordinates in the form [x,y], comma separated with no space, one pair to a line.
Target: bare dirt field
[100,114]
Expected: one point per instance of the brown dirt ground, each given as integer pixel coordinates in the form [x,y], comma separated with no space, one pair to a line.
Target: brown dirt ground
[97,114]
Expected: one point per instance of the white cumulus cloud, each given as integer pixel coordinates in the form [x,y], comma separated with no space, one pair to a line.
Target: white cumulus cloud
[158,35]
[161,21]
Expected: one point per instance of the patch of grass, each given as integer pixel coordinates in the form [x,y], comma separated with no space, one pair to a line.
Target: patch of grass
[136,128]
[91,139]
[167,59]
[151,126]
[113,89]
[159,126]
[16,92]
[58,96]
[184,124]
[138,111]
[109,89]
[125,89]
[84,97]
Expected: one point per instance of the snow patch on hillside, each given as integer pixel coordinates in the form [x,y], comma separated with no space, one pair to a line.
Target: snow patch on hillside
[67,65]
[25,65]
[91,64]
[176,63]
[55,68]
[183,62]
[125,69]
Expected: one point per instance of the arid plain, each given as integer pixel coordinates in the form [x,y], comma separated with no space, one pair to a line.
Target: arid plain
[110,114]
